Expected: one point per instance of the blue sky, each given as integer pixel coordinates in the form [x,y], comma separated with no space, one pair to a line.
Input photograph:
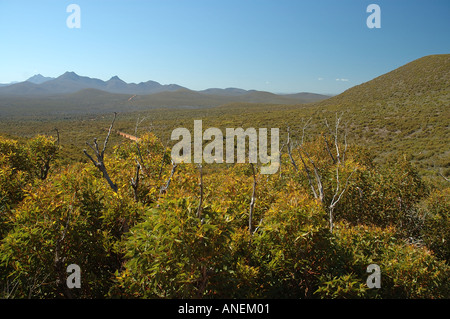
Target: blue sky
[281,46]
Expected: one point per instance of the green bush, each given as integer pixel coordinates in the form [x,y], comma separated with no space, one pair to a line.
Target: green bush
[407,271]
[174,254]
[61,222]
[436,230]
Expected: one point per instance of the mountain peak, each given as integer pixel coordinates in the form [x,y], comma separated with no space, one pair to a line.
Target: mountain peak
[115,78]
[38,79]
[69,75]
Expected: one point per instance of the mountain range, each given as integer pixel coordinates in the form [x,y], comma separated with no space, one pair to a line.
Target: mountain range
[39,86]
[70,82]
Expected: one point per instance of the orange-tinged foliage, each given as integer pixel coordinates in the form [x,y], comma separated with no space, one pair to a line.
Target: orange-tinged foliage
[155,246]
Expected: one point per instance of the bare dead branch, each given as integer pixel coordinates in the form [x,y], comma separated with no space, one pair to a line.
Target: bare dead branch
[337,194]
[328,148]
[137,124]
[308,174]
[34,282]
[142,164]
[259,225]
[440,174]
[8,292]
[328,126]
[308,162]
[96,145]
[109,133]
[100,164]
[317,176]
[335,136]
[92,148]
[90,157]
[338,156]
[279,157]
[135,181]
[304,128]
[164,188]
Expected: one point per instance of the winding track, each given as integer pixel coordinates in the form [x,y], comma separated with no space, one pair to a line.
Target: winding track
[128,136]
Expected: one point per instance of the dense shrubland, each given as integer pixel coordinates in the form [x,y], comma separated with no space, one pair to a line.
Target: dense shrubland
[183,232]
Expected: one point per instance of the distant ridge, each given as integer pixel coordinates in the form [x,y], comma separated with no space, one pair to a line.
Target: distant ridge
[225,92]
[42,87]
[70,82]
[39,79]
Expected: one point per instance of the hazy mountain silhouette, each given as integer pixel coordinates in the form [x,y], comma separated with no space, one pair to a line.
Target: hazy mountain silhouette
[39,79]
[70,82]
[39,86]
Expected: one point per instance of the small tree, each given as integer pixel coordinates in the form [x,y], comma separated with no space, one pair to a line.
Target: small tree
[315,179]
[41,151]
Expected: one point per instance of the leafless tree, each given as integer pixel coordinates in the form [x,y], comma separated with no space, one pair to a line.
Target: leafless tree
[328,148]
[100,163]
[319,193]
[135,181]
[337,196]
[314,177]
[340,161]
[165,187]
[140,162]
[335,135]
[304,129]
